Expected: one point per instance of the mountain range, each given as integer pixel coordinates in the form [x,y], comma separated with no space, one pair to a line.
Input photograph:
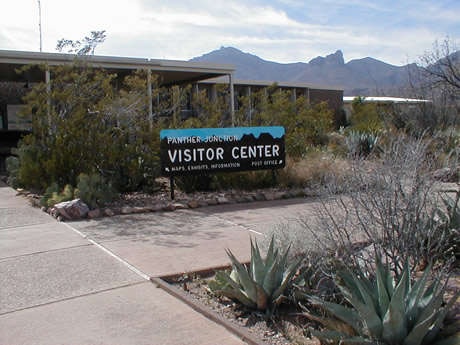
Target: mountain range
[366,76]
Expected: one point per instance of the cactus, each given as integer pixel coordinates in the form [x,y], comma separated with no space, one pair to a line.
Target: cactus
[12,166]
[53,195]
[93,190]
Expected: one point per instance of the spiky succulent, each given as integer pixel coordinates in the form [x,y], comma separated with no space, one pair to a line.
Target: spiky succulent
[387,310]
[264,284]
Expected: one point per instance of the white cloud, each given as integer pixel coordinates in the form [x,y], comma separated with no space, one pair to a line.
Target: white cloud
[282,31]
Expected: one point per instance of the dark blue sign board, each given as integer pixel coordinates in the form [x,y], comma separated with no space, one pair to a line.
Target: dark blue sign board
[213,150]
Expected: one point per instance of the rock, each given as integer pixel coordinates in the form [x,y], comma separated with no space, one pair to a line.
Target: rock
[95,213]
[74,209]
[163,183]
[139,210]
[126,210]
[193,204]
[156,208]
[222,200]
[326,287]
[259,197]
[180,206]
[108,212]
[203,203]
[211,202]
[298,193]
[55,213]
[309,192]
[281,195]
[269,196]
[248,198]
[241,200]
[169,208]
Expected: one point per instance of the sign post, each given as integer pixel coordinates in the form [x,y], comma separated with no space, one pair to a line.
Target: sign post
[214,150]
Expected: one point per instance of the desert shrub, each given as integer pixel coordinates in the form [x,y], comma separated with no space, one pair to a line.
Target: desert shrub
[194,183]
[245,180]
[70,134]
[305,124]
[86,121]
[366,117]
[314,170]
[386,204]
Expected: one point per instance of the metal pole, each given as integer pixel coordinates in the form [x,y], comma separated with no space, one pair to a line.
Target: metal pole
[149,90]
[40,23]
[171,182]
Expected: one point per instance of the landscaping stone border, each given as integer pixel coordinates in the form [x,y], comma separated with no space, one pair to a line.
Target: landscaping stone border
[210,199]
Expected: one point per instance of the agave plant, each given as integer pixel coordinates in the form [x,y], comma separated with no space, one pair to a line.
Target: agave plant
[445,241]
[263,285]
[387,310]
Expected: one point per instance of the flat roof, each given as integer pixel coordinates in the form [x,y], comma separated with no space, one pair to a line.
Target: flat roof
[170,71]
[377,99]
[286,84]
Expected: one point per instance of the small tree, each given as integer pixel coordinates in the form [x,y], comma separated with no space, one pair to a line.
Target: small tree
[436,77]
[87,46]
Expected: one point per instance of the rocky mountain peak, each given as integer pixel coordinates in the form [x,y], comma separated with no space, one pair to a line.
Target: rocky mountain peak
[331,59]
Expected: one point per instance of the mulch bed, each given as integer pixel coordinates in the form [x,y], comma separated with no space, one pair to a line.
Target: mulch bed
[285,328]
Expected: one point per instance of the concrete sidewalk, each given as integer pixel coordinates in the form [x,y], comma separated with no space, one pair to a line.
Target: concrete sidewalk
[86,282]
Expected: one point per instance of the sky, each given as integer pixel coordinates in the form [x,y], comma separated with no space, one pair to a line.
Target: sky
[285,31]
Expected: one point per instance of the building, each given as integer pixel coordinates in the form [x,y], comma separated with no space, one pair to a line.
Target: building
[314,93]
[202,76]
[392,103]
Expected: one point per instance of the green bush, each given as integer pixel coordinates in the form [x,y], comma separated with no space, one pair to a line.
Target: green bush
[305,124]
[84,122]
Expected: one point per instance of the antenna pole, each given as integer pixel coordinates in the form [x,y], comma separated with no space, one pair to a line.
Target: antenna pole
[40,23]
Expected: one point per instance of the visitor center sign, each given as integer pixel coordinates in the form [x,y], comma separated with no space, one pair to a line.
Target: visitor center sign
[214,150]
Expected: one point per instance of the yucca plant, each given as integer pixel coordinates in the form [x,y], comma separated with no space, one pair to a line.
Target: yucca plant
[387,310]
[264,284]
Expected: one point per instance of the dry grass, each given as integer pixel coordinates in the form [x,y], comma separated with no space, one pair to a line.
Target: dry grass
[313,171]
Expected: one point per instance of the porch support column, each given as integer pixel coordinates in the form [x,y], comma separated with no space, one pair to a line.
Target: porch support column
[149,91]
[293,95]
[232,98]
[48,99]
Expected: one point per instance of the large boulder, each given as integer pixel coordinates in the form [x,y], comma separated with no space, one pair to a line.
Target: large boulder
[74,209]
